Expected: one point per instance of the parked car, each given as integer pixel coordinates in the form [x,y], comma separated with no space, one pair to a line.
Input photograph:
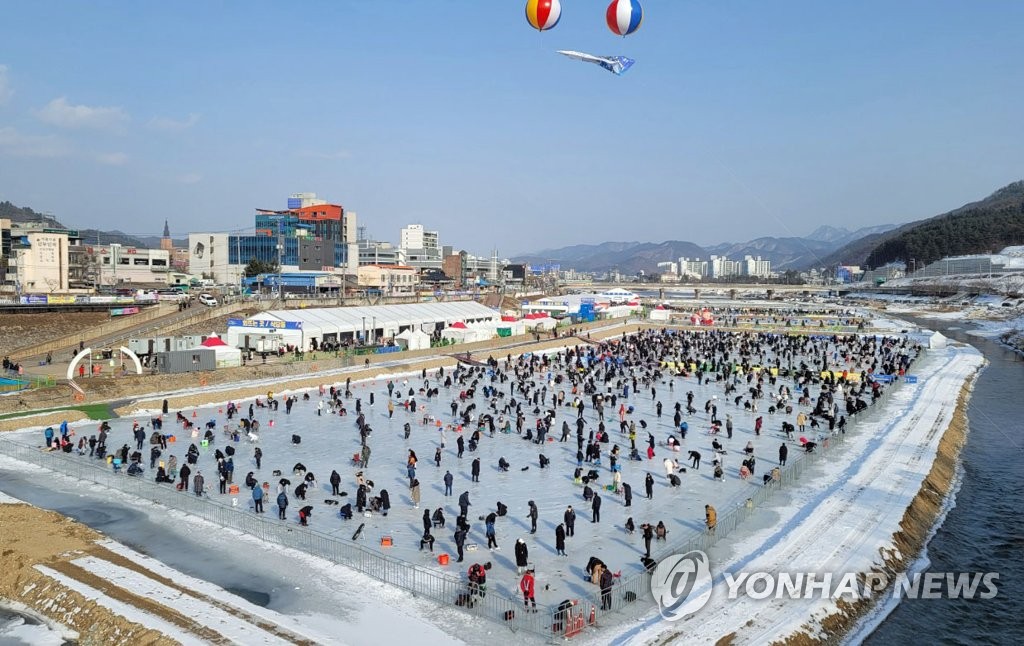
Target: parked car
[208,300]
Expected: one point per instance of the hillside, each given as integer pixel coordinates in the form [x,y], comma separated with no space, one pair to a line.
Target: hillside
[627,257]
[632,257]
[985,226]
[95,236]
[785,253]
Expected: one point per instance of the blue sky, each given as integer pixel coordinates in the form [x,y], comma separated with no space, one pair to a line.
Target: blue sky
[740,119]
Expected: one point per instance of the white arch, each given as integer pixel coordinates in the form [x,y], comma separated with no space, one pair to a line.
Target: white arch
[135,359]
[74,362]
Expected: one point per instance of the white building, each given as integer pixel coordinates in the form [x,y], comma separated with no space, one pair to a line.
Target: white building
[42,263]
[208,255]
[722,267]
[120,264]
[669,268]
[695,268]
[756,267]
[413,236]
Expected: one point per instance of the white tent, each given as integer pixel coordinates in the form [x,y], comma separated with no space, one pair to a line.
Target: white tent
[413,340]
[226,356]
[340,324]
[659,313]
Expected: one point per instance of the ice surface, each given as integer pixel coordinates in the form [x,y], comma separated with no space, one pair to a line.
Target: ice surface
[328,442]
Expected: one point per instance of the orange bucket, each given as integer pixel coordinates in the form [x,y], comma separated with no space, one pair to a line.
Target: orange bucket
[171,439]
[442,559]
[386,541]
[233,489]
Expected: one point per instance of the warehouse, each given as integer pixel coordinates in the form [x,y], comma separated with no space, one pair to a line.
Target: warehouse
[312,327]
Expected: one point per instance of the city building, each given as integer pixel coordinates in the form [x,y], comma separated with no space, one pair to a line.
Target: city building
[756,267]
[421,248]
[35,258]
[695,268]
[310,235]
[375,252]
[124,265]
[388,280]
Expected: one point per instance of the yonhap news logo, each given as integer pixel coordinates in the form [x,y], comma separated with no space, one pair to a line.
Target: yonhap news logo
[682,585]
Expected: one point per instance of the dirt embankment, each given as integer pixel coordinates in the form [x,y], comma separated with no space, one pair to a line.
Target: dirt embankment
[30,537]
[909,540]
[24,330]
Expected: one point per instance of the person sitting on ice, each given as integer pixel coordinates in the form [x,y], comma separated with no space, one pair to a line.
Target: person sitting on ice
[503,463]
[299,469]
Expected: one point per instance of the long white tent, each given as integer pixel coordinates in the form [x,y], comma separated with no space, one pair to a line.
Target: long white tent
[375,323]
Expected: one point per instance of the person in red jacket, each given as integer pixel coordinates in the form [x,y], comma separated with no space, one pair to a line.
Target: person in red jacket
[526,585]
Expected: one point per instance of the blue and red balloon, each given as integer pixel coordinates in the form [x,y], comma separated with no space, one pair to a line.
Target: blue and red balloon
[624,16]
[543,14]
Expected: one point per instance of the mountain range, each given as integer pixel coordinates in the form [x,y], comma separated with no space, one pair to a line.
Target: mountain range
[984,226]
[634,257]
[89,236]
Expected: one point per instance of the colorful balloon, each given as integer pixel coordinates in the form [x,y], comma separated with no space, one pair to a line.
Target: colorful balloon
[543,14]
[624,16]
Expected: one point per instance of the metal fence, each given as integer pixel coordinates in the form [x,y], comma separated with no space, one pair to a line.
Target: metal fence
[634,591]
[548,622]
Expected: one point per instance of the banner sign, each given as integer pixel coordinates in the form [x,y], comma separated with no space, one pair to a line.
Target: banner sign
[123,311]
[277,325]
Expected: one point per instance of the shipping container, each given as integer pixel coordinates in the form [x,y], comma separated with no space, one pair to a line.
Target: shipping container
[178,361]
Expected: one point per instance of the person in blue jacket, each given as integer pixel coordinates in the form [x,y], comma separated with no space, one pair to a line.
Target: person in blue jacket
[257,498]
[48,434]
[282,505]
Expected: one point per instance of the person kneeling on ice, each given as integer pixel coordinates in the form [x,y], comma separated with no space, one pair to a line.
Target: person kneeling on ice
[304,514]
[478,579]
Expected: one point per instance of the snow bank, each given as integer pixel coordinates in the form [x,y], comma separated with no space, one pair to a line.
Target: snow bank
[840,525]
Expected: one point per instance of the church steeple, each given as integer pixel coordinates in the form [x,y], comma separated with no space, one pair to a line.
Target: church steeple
[166,243]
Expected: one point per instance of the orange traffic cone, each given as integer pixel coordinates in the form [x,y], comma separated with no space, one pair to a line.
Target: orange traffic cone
[220,410]
[271,423]
[194,415]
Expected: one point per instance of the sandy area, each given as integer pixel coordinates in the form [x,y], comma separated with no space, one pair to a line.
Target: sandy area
[32,537]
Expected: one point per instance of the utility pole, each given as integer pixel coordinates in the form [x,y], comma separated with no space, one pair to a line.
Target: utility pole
[280,248]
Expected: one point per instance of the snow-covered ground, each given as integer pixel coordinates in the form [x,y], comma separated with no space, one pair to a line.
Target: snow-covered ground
[328,442]
[828,522]
[839,524]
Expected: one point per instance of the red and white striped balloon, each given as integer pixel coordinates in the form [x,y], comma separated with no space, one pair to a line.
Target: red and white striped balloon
[624,16]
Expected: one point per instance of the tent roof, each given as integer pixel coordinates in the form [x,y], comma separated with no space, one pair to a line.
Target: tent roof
[317,322]
[213,341]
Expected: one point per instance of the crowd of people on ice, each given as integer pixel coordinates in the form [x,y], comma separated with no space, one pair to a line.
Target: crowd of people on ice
[578,401]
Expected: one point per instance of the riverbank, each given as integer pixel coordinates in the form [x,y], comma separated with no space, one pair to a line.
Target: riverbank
[827,494]
[869,511]
[916,527]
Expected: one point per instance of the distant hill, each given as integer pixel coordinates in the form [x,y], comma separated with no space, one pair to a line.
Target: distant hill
[985,226]
[26,214]
[632,257]
[785,253]
[627,257]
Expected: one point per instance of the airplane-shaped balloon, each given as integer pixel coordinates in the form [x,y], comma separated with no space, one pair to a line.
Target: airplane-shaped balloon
[617,65]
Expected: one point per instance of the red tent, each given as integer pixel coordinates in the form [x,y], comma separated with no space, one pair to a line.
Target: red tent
[459,325]
[213,342]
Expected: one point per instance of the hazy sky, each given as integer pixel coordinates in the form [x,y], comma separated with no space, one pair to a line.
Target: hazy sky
[739,119]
